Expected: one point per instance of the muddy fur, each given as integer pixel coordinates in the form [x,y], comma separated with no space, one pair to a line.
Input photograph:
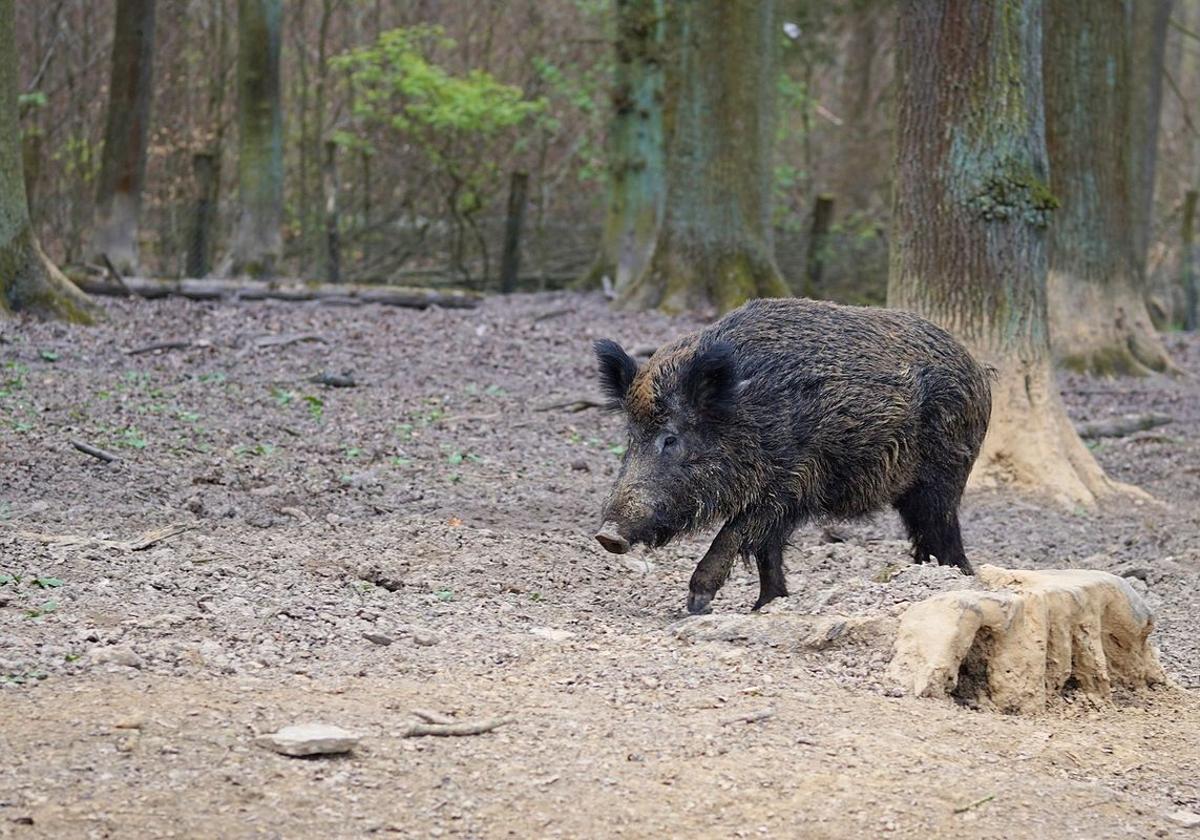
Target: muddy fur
[787,411]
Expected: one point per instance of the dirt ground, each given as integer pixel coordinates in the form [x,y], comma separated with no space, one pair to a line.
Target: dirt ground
[423,541]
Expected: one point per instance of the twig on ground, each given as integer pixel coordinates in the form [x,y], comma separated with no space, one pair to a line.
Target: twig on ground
[115,275]
[1122,426]
[139,544]
[553,313]
[455,729]
[572,404]
[288,338]
[434,717]
[750,717]
[962,809]
[180,344]
[94,451]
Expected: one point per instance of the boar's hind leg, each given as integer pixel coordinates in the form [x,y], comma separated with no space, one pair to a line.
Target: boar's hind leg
[713,569]
[930,514]
[772,582]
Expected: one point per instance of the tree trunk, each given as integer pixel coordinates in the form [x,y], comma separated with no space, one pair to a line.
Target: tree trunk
[1099,321]
[859,179]
[713,248]
[636,145]
[29,282]
[258,241]
[207,171]
[123,162]
[818,244]
[1187,259]
[510,260]
[1148,33]
[333,240]
[971,205]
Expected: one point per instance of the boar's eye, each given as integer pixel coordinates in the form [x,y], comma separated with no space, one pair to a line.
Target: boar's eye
[667,442]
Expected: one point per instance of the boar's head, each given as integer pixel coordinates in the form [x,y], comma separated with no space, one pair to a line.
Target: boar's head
[681,408]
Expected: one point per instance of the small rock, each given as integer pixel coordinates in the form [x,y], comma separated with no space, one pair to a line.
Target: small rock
[310,739]
[116,655]
[1187,819]
[552,634]
[580,465]
[424,639]
[378,638]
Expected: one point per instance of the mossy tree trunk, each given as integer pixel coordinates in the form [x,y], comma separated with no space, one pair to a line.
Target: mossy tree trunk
[29,282]
[636,145]
[714,248]
[123,162]
[971,205]
[258,240]
[1098,317]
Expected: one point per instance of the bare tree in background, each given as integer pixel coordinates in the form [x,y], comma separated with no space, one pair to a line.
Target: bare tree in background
[123,164]
[970,213]
[636,145]
[1098,315]
[714,246]
[29,282]
[258,238]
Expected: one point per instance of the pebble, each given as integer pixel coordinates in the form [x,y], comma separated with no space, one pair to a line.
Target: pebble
[552,634]
[424,639]
[1186,819]
[378,638]
[116,655]
[310,739]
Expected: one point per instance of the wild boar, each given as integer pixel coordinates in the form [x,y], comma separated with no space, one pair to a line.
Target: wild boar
[790,411]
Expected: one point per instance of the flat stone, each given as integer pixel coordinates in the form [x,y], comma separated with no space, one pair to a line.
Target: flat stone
[552,634]
[1186,819]
[310,739]
[378,638]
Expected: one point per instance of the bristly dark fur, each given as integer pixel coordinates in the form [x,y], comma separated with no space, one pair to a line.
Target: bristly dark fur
[617,370]
[789,411]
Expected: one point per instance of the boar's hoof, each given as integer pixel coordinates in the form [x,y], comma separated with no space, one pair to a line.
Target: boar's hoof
[763,600]
[612,541]
[699,603]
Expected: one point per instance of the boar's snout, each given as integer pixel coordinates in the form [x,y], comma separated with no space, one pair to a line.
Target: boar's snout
[611,539]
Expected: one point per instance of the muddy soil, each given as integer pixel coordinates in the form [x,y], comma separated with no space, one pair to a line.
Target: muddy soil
[268,550]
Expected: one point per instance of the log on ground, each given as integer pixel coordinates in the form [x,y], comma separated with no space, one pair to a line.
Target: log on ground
[342,295]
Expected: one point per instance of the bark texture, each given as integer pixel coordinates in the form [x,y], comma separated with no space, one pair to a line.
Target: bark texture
[970,213]
[1098,316]
[29,282]
[861,170]
[123,162]
[636,145]
[258,241]
[714,249]
[1148,31]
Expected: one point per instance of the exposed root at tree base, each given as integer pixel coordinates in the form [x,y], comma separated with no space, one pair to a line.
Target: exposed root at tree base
[1032,446]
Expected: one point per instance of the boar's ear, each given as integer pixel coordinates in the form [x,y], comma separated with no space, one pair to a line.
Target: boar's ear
[617,370]
[710,381]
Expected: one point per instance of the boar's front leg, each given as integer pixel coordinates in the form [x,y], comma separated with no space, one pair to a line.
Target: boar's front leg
[713,569]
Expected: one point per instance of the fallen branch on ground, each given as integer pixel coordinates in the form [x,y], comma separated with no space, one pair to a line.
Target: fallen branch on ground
[215,289]
[141,543]
[572,404]
[750,717]
[1122,426]
[158,345]
[95,451]
[455,729]
[962,809]
[287,338]
[434,717]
